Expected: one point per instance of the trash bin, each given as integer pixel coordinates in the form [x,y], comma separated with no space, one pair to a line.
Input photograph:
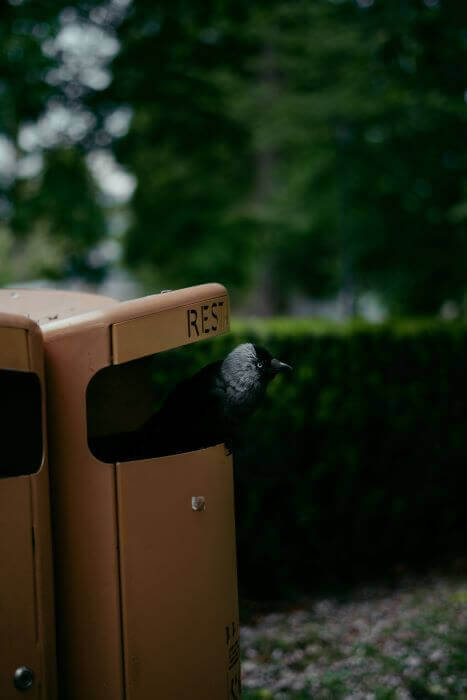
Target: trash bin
[144,550]
[27,631]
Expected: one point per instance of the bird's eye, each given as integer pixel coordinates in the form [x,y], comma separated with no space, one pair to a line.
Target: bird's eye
[259,365]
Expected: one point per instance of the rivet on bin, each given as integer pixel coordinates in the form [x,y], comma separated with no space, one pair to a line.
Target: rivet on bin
[198,503]
[23,678]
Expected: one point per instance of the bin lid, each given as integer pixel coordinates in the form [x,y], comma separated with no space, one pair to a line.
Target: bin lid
[139,327]
[46,305]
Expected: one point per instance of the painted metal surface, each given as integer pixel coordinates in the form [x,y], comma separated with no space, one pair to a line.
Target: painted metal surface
[18,632]
[178,576]
[14,349]
[27,631]
[49,305]
[169,328]
[85,526]
[96,516]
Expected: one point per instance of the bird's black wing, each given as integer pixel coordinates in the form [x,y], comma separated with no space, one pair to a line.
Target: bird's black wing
[191,417]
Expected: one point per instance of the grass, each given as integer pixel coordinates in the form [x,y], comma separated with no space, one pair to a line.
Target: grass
[377,644]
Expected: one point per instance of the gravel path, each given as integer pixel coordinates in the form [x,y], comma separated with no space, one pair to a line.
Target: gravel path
[377,644]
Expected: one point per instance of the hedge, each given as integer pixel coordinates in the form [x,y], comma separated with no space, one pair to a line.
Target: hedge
[355,466]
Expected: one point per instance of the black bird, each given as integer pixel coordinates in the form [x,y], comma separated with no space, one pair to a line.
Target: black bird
[209,407]
[203,410]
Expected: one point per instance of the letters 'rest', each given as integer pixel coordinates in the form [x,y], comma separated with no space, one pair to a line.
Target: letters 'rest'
[207,318]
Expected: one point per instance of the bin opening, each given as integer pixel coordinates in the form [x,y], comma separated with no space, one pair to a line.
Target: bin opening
[21,423]
[122,398]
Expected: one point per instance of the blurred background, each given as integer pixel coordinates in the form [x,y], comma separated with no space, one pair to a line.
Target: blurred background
[311,156]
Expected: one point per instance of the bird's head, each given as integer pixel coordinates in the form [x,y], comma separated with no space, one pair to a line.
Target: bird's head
[267,365]
[254,361]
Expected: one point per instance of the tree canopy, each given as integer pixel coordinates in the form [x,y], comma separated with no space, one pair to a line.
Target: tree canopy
[289,147]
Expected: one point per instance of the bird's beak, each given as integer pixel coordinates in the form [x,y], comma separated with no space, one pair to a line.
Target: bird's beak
[278,366]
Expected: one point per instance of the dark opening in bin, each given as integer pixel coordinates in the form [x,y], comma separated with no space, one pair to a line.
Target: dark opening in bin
[20,424]
[121,398]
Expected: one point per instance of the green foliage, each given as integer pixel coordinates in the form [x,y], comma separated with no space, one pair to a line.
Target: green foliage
[189,153]
[313,143]
[288,146]
[57,208]
[63,204]
[23,66]
[364,121]
[356,463]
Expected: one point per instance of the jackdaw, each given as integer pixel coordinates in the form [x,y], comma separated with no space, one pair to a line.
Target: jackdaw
[206,409]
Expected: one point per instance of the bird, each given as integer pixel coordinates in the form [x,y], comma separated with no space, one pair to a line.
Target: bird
[204,409]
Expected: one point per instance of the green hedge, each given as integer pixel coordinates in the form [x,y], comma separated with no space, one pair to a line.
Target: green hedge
[356,464]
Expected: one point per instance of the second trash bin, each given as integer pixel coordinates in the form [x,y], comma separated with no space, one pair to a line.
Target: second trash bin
[27,632]
[144,550]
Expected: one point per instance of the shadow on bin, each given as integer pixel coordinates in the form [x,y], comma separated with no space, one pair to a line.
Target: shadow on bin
[27,633]
[144,550]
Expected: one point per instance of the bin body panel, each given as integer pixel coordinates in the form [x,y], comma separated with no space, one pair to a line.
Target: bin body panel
[18,614]
[14,349]
[44,579]
[85,526]
[178,577]
[27,626]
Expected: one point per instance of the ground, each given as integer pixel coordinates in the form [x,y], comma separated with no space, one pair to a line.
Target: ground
[376,643]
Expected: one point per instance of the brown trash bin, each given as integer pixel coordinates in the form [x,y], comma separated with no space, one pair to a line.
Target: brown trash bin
[144,550]
[27,630]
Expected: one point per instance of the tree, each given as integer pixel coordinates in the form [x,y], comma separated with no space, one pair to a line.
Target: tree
[366,123]
[48,192]
[188,150]
[294,146]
